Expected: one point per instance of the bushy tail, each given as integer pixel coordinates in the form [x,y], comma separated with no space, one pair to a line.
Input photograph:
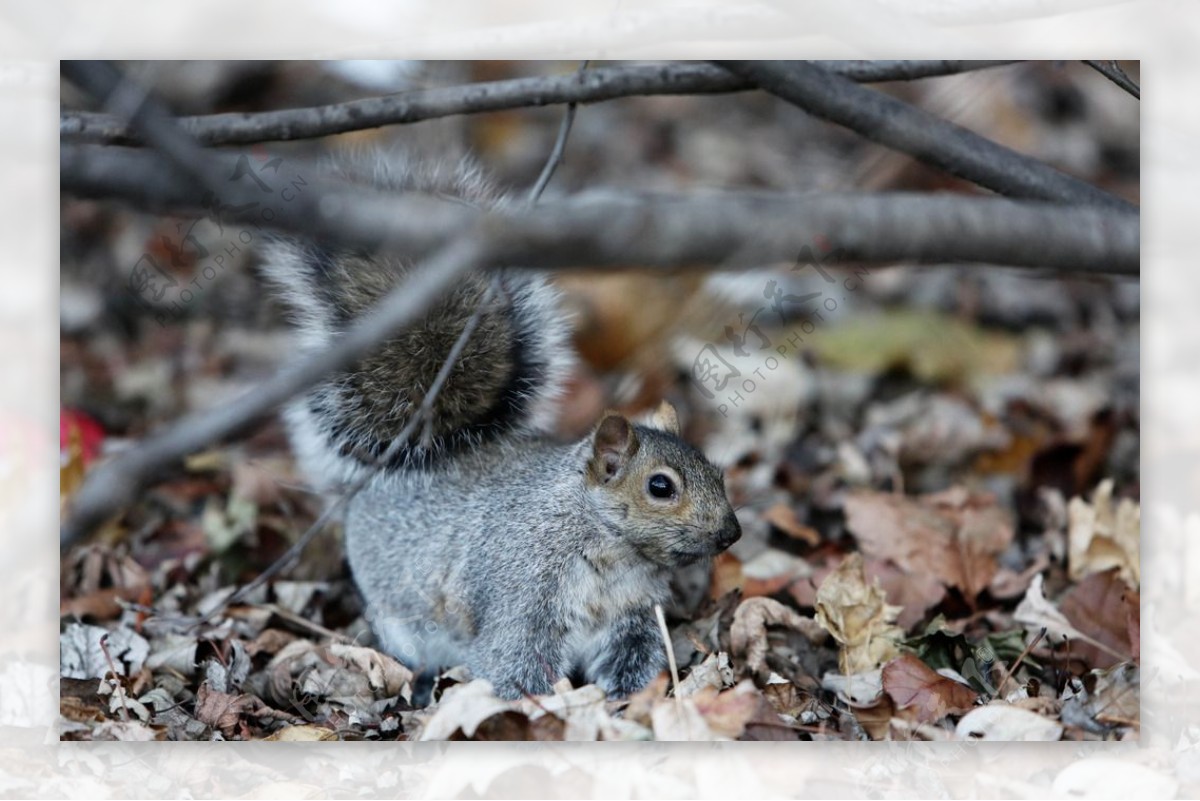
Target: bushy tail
[504,382]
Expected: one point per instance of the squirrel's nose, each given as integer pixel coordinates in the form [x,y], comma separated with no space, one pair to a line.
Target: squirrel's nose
[730,532]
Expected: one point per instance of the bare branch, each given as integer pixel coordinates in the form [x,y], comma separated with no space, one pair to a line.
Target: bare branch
[606,83]
[898,125]
[598,229]
[1112,70]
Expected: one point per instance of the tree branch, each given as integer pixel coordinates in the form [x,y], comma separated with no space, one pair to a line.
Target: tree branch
[606,83]
[598,229]
[1112,70]
[900,126]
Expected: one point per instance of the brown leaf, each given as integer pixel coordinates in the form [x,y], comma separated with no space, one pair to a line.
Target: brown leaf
[726,575]
[912,683]
[954,535]
[1100,607]
[226,712]
[727,713]
[783,517]
[748,634]
[858,617]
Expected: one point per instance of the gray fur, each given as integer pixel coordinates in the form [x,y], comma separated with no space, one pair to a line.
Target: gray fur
[487,545]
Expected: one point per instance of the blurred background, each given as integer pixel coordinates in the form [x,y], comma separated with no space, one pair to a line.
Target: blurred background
[807,380]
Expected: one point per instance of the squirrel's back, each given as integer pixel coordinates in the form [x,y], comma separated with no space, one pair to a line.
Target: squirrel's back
[504,383]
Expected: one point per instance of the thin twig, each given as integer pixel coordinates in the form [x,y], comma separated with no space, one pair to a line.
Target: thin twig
[666,638]
[606,83]
[556,153]
[1112,70]
[942,144]
[1013,667]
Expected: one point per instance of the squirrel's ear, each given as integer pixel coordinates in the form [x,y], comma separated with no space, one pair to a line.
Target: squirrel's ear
[613,445]
[666,419]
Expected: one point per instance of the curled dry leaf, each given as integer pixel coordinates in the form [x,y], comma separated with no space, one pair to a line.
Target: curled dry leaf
[1001,721]
[715,672]
[226,711]
[913,684]
[1103,535]
[748,634]
[859,618]
[386,676]
[954,535]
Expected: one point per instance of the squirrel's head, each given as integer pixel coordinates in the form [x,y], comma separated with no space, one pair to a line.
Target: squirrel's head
[659,492]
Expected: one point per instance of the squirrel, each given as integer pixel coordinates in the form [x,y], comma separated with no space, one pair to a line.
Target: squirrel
[483,542]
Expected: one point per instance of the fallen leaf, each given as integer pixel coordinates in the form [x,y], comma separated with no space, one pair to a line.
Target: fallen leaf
[770,571]
[1035,612]
[226,711]
[727,713]
[386,676]
[301,734]
[953,535]
[748,634]
[1103,535]
[1114,700]
[715,672]
[1003,722]
[463,708]
[1099,607]
[783,517]
[861,690]
[81,655]
[915,594]
[858,617]
[726,576]
[912,683]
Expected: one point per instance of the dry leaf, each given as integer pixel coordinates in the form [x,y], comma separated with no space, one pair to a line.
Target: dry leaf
[748,634]
[783,517]
[1001,721]
[463,707]
[912,683]
[859,618]
[1099,607]
[225,711]
[726,576]
[714,672]
[386,676]
[727,713]
[1102,535]
[1035,612]
[770,571]
[915,594]
[1114,700]
[953,535]
[302,734]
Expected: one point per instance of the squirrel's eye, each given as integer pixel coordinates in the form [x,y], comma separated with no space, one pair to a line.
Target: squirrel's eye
[660,486]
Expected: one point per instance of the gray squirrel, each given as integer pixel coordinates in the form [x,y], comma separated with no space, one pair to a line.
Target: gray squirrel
[480,541]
